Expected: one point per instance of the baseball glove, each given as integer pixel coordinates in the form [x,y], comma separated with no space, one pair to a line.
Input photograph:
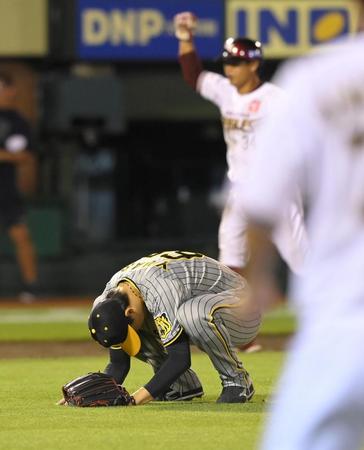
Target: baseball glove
[96,389]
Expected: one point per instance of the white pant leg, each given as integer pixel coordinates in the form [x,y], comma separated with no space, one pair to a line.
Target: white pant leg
[320,398]
[232,235]
[291,239]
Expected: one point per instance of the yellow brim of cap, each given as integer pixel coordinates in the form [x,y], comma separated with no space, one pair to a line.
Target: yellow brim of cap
[132,343]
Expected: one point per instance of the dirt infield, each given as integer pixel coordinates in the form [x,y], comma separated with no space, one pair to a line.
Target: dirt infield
[63,349]
[49,302]
[10,350]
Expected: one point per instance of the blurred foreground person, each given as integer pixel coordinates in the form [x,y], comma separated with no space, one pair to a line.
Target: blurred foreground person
[15,155]
[320,134]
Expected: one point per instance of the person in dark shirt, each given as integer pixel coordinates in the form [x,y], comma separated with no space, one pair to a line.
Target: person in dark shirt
[15,155]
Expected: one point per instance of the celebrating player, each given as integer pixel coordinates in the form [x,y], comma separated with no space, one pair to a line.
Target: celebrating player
[244,100]
[157,306]
[320,401]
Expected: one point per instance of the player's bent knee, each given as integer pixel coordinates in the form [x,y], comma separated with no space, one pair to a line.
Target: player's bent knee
[193,324]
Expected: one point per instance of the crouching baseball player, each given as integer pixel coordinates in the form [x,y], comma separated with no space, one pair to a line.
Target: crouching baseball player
[155,308]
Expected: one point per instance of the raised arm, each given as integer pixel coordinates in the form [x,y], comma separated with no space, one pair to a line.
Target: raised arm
[191,66]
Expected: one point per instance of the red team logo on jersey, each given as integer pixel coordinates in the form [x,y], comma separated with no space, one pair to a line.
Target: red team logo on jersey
[254,106]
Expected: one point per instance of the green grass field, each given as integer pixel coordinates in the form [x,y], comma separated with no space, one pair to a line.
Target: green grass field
[30,388]
[70,324]
[30,419]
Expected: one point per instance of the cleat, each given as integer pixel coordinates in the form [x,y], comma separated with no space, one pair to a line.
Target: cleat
[175,396]
[252,347]
[237,394]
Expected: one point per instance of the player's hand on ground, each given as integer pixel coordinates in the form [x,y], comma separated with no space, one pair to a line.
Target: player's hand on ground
[62,402]
[184,25]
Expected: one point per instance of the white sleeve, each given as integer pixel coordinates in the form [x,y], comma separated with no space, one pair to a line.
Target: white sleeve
[212,86]
[277,166]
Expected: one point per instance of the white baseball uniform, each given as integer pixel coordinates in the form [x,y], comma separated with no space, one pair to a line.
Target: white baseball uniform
[320,135]
[242,116]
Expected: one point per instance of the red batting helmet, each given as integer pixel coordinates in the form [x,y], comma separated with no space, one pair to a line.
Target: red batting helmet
[241,49]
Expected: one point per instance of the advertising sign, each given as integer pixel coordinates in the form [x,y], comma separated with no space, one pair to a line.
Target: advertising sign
[143,30]
[290,28]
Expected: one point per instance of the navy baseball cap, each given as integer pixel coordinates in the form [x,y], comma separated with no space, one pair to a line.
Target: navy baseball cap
[110,327]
